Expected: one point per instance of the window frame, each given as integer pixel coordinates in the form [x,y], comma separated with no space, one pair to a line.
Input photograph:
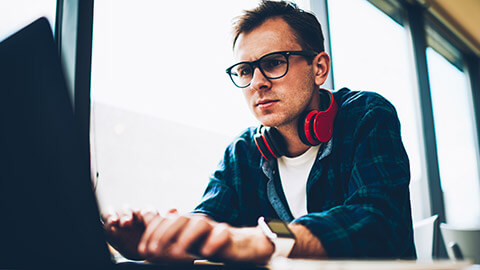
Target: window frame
[73,35]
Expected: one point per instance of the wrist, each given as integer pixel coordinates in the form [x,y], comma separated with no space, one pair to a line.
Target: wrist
[307,244]
[248,244]
[266,243]
[279,235]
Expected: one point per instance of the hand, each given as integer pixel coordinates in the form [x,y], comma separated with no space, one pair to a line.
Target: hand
[177,237]
[174,237]
[125,228]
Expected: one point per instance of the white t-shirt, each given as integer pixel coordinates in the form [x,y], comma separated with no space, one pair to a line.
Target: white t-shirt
[294,174]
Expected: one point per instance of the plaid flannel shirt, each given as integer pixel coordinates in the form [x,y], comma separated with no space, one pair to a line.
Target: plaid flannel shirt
[358,198]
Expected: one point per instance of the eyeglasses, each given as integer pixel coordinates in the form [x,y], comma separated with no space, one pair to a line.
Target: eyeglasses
[273,66]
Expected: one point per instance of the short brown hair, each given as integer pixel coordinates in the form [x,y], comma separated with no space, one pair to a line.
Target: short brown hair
[305,26]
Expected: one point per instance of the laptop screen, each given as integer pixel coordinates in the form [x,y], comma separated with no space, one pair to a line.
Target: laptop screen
[48,209]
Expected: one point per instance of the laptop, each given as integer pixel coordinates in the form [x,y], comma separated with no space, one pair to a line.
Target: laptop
[49,214]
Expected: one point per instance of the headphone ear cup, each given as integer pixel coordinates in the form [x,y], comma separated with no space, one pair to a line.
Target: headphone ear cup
[322,124]
[306,128]
[260,142]
[275,141]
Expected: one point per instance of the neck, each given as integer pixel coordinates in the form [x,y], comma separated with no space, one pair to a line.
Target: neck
[295,147]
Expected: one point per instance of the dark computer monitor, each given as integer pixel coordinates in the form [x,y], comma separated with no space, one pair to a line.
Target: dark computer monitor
[48,211]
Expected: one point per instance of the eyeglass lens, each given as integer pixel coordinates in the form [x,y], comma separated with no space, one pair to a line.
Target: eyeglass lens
[272,66]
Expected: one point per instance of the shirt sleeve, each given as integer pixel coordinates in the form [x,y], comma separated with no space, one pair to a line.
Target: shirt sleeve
[219,203]
[375,218]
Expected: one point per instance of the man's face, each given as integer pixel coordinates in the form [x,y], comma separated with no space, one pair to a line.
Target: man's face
[277,102]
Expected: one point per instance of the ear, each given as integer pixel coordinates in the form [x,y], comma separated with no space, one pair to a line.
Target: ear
[321,67]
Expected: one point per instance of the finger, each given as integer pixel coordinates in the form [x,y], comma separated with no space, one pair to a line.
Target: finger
[111,221]
[109,215]
[192,237]
[165,234]
[218,238]
[179,254]
[147,215]
[125,217]
[152,226]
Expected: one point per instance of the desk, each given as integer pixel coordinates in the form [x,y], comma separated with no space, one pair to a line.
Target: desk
[289,264]
[304,264]
[311,265]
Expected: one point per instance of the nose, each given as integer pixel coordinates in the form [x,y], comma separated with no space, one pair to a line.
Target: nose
[259,81]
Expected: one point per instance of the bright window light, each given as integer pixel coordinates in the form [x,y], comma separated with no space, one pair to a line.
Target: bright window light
[163,108]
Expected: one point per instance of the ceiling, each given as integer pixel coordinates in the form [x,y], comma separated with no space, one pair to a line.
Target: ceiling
[462,17]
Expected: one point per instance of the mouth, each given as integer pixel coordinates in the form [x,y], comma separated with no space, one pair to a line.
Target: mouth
[266,102]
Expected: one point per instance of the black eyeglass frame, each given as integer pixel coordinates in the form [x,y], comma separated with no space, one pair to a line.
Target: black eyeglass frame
[256,63]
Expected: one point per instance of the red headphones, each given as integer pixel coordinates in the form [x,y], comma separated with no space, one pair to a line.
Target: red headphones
[314,127]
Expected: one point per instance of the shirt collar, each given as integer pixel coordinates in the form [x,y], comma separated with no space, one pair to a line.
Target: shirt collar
[269,166]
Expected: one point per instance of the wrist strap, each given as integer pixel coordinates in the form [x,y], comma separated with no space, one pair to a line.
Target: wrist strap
[283,247]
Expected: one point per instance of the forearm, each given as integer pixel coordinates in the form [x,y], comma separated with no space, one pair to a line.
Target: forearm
[306,245]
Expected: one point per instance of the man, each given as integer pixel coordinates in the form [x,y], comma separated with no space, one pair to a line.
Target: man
[332,166]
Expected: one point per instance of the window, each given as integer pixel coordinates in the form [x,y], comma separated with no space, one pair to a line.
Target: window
[14,15]
[456,140]
[370,53]
[163,108]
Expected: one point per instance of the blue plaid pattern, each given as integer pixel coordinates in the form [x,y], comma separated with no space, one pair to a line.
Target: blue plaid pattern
[358,200]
